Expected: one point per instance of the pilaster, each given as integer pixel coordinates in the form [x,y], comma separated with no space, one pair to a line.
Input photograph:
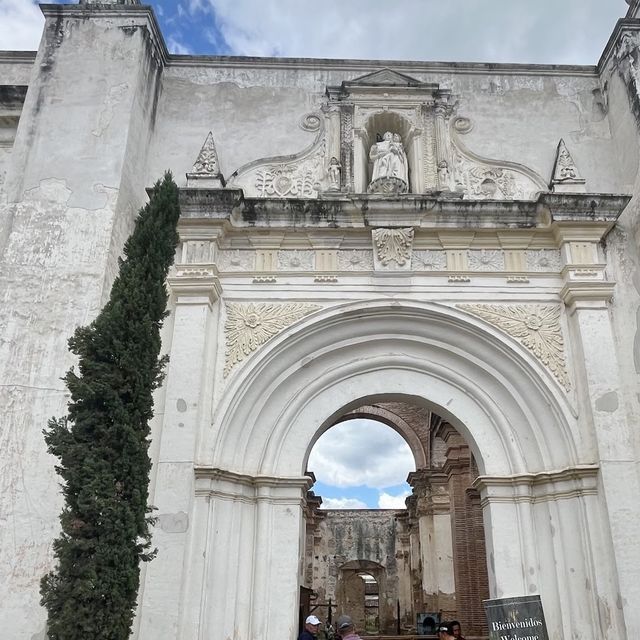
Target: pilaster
[599,385]
[195,294]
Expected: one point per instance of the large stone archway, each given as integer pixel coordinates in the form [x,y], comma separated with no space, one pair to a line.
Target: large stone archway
[537,486]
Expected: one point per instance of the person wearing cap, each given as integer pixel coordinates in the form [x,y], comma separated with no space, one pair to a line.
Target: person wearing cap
[346,629]
[311,628]
[445,631]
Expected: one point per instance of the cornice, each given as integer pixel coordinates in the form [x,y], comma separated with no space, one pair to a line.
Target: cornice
[25,57]
[566,483]
[364,66]
[588,294]
[195,285]
[239,486]
[421,211]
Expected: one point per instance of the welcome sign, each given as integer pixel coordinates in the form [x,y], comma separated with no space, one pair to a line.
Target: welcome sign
[518,618]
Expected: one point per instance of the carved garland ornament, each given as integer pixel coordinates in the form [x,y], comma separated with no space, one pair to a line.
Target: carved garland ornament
[537,327]
[249,326]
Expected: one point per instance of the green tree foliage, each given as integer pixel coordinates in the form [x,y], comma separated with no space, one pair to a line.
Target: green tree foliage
[102,443]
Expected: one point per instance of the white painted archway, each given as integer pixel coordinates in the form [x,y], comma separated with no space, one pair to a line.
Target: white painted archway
[538,486]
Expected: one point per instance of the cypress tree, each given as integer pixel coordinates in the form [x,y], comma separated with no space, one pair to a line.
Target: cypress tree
[102,443]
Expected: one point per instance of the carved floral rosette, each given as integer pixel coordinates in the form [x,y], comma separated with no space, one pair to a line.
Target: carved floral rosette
[249,325]
[536,327]
[237,260]
[355,260]
[429,260]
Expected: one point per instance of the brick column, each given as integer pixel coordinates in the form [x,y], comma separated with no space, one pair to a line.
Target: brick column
[469,553]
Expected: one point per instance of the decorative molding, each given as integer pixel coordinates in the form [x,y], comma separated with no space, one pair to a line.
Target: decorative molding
[295,176]
[563,484]
[544,260]
[485,260]
[355,260]
[587,294]
[194,285]
[264,280]
[248,326]
[325,279]
[429,260]
[484,178]
[295,260]
[459,278]
[237,260]
[206,168]
[393,245]
[346,147]
[566,177]
[536,327]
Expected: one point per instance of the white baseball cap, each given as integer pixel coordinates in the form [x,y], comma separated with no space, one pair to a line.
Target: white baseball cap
[312,620]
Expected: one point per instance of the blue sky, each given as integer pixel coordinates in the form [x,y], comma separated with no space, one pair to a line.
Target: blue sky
[540,31]
[361,464]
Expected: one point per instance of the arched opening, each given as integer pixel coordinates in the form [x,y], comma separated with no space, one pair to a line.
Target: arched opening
[426,555]
[535,483]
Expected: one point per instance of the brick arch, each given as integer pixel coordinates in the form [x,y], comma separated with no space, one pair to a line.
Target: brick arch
[395,422]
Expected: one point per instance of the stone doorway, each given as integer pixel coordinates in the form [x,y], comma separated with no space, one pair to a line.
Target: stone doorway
[428,557]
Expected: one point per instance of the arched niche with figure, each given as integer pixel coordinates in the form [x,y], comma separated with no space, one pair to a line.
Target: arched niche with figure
[386,155]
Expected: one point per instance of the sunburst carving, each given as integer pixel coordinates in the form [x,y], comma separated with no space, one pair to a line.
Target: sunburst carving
[249,326]
[536,327]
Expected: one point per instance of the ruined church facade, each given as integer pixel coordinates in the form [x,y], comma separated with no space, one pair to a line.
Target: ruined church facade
[450,248]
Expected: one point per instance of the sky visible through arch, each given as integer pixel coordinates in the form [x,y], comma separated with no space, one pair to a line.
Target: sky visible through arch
[361,464]
[525,31]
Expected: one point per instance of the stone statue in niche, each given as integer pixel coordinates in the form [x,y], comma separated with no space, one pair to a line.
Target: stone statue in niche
[390,166]
[333,174]
[444,178]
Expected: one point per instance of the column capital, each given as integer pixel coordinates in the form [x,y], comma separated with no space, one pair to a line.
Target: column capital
[195,285]
[587,295]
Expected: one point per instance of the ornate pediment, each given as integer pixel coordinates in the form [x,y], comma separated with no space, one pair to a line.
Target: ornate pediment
[384,78]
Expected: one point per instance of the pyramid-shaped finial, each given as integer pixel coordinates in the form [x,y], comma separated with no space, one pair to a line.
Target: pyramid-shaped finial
[206,168]
[566,177]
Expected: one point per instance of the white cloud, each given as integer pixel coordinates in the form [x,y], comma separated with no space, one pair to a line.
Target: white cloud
[388,501]
[361,452]
[175,46]
[343,503]
[545,31]
[574,31]
[21,23]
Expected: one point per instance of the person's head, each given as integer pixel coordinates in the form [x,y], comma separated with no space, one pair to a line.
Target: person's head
[344,625]
[445,630]
[396,137]
[456,629]
[312,624]
[387,136]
